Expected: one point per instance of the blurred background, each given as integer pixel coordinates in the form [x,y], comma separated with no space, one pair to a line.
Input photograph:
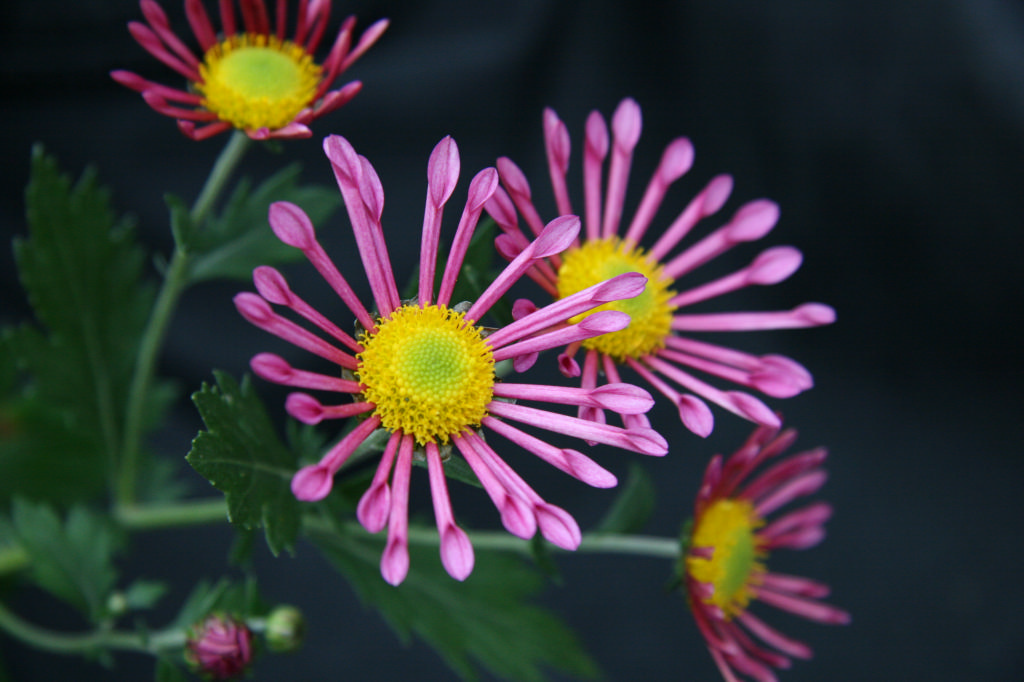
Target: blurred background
[892,136]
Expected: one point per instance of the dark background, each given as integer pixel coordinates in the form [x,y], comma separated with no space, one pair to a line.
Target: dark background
[891,133]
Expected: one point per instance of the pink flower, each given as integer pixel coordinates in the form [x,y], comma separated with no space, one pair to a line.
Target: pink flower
[220,647]
[253,79]
[728,545]
[654,345]
[424,370]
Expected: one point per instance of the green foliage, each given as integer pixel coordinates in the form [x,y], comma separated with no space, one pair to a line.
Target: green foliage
[486,621]
[240,454]
[240,239]
[82,271]
[632,507]
[72,559]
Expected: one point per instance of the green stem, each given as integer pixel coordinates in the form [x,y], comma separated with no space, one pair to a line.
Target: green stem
[192,513]
[643,545]
[176,280]
[62,643]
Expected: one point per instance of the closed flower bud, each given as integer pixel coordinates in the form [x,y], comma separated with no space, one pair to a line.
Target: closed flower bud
[219,647]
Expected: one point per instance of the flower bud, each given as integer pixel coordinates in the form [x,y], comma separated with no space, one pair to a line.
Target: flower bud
[285,629]
[219,647]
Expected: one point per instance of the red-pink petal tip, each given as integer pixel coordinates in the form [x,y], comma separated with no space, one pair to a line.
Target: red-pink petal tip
[312,483]
[753,220]
[443,170]
[304,407]
[291,225]
[557,236]
[774,265]
[272,285]
[456,552]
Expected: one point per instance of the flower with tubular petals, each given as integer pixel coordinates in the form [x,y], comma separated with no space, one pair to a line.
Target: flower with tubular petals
[250,77]
[653,344]
[423,370]
[727,548]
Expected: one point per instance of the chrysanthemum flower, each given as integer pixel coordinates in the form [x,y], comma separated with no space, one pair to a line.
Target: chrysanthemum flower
[250,77]
[654,345]
[727,549]
[424,370]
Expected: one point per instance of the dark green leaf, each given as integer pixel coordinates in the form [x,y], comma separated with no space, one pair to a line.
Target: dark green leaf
[82,271]
[241,239]
[241,455]
[72,559]
[633,506]
[485,621]
[167,671]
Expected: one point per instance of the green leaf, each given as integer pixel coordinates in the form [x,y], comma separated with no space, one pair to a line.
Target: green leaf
[72,559]
[486,621]
[241,455]
[143,594]
[83,273]
[241,239]
[633,506]
[167,671]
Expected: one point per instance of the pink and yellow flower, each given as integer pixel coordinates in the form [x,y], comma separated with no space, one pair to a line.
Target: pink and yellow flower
[423,370]
[727,549]
[657,344]
[250,76]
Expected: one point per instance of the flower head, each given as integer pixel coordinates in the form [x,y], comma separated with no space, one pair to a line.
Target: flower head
[654,344]
[219,647]
[423,370]
[727,549]
[249,77]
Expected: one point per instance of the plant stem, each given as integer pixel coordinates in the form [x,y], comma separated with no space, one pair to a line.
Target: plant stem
[643,545]
[192,513]
[62,643]
[176,280]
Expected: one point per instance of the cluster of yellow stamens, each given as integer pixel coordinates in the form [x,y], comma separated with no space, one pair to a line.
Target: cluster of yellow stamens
[428,371]
[727,526]
[257,81]
[599,259]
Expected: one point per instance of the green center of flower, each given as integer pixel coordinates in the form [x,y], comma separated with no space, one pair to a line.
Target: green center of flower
[428,371]
[650,312]
[728,527]
[257,81]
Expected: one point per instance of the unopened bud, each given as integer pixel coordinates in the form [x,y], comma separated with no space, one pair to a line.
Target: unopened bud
[285,629]
[219,647]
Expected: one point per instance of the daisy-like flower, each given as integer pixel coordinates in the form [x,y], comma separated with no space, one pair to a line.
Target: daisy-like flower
[728,545]
[250,77]
[424,370]
[657,344]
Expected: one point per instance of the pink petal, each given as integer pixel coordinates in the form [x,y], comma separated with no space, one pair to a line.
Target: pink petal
[774,265]
[312,483]
[291,225]
[558,526]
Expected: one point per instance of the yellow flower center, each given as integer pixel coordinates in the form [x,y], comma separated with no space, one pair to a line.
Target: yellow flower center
[598,260]
[257,81]
[428,371]
[727,526]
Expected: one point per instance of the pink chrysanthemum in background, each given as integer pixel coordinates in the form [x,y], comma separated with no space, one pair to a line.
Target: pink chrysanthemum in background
[250,77]
[654,345]
[731,536]
[424,370]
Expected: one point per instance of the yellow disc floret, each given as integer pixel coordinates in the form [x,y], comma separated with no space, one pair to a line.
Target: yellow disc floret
[727,526]
[428,371]
[650,312]
[256,81]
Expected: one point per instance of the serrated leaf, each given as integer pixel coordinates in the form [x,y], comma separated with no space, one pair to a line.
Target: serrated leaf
[167,671]
[240,454]
[241,239]
[83,273]
[73,558]
[486,621]
[633,507]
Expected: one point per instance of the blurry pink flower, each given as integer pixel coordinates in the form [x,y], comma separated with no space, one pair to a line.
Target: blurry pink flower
[253,79]
[653,345]
[423,369]
[220,647]
[729,542]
